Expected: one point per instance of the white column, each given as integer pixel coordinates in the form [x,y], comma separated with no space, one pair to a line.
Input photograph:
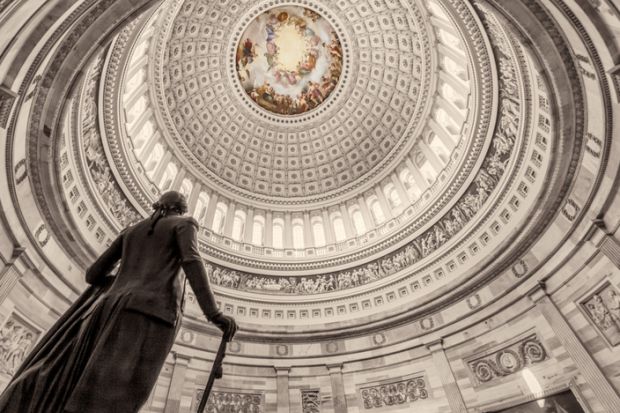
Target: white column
[9,275]
[249,225]
[330,238]
[308,235]
[177,383]
[370,223]
[163,163]
[229,218]
[282,386]
[211,210]
[268,229]
[417,176]
[288,231]
[442,134]
[385,205]
[450,387]
[349,229]
[338,394]
[193,197]
[402,192]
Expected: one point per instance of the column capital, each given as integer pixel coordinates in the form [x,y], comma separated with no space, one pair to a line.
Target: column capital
[334,368]
[597,233]
[538,292]
[435,345]
[181,358]
[282,370]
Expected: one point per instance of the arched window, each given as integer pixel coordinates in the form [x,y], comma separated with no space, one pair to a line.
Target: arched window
[170,173]
[153,160]
[278,233]
[392,196]
[200,211]
[186,188]
[298,234]
[375,210]
[218,219]
[238,225]
[338,224]
[406,177]
[318,231]
[358,219]
[258,230]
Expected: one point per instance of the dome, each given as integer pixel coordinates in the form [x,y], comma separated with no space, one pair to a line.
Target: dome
[378,184]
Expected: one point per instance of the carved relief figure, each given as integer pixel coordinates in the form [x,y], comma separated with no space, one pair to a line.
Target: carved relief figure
[602,308]
[16,340]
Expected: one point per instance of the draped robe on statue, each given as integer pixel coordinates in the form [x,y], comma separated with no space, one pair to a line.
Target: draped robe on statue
[105,353]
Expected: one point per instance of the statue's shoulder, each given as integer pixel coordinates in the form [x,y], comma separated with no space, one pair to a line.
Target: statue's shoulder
[186,220]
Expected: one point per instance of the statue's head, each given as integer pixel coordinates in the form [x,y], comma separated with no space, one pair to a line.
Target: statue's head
[171,201]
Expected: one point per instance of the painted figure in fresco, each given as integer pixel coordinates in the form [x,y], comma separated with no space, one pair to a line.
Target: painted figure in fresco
[106,352]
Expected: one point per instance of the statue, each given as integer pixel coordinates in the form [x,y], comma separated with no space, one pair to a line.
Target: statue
[106,352]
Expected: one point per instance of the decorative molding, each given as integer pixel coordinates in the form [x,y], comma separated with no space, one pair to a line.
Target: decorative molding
[393,393]
[7,100]
[508,360]
[232,401]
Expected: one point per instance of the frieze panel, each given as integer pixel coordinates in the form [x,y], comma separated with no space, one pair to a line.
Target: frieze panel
[310,401]
[602,309]
[17,338]
[98,167]
[231,402]
[508,360]
[395,393]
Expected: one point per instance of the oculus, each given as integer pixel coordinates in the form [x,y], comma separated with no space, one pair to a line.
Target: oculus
[289,60]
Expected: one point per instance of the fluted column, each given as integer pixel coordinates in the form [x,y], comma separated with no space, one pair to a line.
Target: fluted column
[268,229]
[402,192]
[177,382]
[213,197]
[288,231]
[385,206]
[229,218]
[178,180]
[282,389]
[370,223]
[349,229]
[605,242]
[330,238]
[193,197]
[148,147]
[442,134]
[308,235]
[249,225]
[450,388]
[9,275]
[417,176]
[586,364]
[339,397]
[163,164]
